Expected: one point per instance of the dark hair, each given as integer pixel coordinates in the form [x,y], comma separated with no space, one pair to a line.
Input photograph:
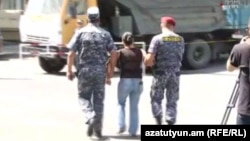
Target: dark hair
[128,38]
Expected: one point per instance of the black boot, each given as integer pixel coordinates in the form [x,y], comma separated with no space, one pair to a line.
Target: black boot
[170,122]
[90,129]
[98,128]
[98,134]
[158,120]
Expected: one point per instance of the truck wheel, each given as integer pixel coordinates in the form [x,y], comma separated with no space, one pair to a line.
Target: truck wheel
[51,65]
[198,54]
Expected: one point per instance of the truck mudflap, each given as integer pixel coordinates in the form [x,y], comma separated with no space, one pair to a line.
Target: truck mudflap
[53,51]
[42,50]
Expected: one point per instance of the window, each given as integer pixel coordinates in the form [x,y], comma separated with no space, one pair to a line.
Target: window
[44,6]
[79,5]
[12,4]
[8,4]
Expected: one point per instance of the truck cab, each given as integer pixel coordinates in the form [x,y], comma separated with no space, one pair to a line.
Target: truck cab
[47,26]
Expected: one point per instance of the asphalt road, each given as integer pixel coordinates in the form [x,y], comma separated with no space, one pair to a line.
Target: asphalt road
[35,106]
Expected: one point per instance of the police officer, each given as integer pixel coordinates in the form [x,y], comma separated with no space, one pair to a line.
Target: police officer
[92,44]
[165,54]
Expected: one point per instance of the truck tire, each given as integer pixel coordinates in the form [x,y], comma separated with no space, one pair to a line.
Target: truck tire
[51,65]
[198,54]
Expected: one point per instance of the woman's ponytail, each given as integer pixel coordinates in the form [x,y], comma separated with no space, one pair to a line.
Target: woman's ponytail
[128,38]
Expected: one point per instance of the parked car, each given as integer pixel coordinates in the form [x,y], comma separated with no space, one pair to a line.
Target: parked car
[1,41]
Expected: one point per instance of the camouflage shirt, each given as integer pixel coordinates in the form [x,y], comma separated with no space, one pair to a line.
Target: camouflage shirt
[92,43]
[168,49]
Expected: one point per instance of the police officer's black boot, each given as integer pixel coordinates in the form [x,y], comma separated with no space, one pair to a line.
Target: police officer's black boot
[98,128]
[170,121]
[90,129]
[98,134]
[158,120]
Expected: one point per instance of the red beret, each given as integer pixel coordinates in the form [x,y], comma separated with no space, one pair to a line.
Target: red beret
[169,20]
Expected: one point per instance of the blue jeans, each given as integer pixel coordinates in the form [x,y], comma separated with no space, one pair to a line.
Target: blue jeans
[132,88]
[243,119]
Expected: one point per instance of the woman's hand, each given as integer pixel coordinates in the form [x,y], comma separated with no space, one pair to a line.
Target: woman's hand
[108,80]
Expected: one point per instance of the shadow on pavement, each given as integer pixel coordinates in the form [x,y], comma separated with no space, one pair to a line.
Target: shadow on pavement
[57,74]
[15,79]
[6,57]
[215,67]
[125,137]
[9,56]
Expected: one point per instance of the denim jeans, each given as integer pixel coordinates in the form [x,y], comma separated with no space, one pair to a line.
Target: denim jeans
[132,88]
[243,119]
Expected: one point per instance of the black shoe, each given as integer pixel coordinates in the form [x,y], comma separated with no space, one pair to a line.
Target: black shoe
[170,122]
[158,120]
[121,130]
[97,128]
[98,134]
[133,136]
[90,129]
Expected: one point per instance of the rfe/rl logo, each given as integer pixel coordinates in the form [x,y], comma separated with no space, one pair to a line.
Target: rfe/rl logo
[232,3]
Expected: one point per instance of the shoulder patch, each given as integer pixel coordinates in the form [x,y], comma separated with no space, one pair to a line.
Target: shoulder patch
[171,38]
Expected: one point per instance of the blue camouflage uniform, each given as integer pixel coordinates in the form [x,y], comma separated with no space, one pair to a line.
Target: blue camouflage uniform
[168,49]
[92,43]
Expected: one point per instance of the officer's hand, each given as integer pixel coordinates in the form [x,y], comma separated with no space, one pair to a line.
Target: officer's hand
[108,81]
[70,75]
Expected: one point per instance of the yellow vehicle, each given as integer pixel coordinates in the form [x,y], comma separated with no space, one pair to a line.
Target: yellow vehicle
[10,12]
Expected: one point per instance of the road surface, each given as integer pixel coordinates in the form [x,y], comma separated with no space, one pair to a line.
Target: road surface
[36,106]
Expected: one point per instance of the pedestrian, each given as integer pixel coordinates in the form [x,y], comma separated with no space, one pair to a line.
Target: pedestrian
[131,61]
[239,59]
[165,55]
[93,44]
